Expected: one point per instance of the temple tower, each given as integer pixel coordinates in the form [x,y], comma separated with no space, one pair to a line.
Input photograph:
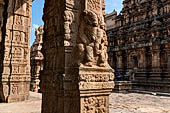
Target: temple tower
[36,59]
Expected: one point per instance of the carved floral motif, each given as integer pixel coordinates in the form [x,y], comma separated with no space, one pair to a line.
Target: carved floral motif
[94,5]
[94,105]
[96,77]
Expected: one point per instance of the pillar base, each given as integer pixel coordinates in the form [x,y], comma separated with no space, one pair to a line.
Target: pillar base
[14,91]
[94,87]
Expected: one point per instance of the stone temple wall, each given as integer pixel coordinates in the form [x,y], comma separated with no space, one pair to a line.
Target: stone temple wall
[36,59]
[140,42]
[15,21]
[76,77]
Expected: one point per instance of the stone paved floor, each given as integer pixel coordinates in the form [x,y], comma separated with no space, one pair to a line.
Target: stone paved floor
[139,103]
[33,105]
[120,103]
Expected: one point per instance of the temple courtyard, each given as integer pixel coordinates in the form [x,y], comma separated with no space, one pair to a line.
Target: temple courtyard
[119,103]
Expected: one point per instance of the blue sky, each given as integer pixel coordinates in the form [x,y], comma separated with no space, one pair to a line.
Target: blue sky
[37,12]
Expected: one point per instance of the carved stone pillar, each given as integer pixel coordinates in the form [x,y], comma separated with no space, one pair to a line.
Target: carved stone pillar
[76,76]
[15,51]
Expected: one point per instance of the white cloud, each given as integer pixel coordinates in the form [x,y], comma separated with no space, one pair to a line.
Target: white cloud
[34,26]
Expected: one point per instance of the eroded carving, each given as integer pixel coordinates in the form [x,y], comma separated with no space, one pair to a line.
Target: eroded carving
[68,20]
[94,105]
[92,41]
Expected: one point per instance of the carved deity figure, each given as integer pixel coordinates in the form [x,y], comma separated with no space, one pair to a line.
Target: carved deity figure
[92,40]
[68,20]
[87,37]
[39,33]
[101,44]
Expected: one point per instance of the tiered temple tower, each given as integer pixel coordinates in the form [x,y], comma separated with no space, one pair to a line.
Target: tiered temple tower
[36,58]
[140,41]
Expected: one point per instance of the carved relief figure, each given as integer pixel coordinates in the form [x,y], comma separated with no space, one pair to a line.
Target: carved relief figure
[87,37]
[14,89]
[68,19]
[18,20]
[101,44]
[92,40]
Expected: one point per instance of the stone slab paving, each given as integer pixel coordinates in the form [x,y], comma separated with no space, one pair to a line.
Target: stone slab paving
[138,103]
[33,105]
[120,103]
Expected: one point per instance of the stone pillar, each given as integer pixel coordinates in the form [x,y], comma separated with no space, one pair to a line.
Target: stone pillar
[76,76]
[36,59]
[15,51]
